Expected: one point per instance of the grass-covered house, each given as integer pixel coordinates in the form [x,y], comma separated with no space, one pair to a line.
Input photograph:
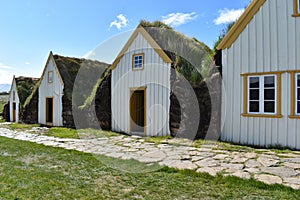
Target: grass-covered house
[21,88]
[156,85]
[54,95]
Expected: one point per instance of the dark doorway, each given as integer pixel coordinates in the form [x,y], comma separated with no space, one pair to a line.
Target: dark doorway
[137,110]
[49,110]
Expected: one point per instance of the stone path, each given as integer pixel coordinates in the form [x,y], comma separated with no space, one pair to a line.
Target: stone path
[263,165]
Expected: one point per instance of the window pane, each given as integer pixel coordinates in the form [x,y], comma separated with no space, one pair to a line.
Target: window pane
[298,107]
[269,106]
[254,82]
[269,94]
[254,106]
[269,81]
[254,94]
[298,80]
[298,93]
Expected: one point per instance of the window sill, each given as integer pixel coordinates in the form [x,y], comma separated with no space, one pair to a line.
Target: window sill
[261,115]
[296,15]
[294,116]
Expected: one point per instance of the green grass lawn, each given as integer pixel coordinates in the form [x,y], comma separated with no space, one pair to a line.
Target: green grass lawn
[33,171]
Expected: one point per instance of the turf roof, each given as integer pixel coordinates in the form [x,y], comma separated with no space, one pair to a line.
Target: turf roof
[25,86]
[69,68]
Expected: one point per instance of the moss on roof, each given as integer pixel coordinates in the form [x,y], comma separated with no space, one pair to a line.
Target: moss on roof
[188,54]
[69,68]
[25,86]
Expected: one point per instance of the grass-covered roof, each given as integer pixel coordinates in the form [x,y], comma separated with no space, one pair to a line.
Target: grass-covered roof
[188,54]
[25,86]
[90,72]
[69,68]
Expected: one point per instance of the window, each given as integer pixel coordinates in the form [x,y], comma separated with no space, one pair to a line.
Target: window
[14,95]
[297,94]
[296,8]
[138,61]
[262,95]
[50,77]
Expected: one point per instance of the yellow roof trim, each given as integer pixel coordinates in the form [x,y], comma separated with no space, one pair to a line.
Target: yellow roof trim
[149,39]
[55,66]
[241,24]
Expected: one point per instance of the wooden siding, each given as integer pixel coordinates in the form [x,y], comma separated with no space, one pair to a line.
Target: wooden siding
[55,90]
[11,101]
[269,43]
[155,77]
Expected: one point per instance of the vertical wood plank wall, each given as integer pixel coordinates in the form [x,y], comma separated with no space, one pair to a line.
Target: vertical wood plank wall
[270,42]
[155,77]
[54,90]
[11,101]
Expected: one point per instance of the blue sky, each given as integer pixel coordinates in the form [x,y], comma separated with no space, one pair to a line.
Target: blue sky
[30,29]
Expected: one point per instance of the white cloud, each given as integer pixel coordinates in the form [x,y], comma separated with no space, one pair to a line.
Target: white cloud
[228,16]
[2,66]
[176,19]
[27,63]
[119,23]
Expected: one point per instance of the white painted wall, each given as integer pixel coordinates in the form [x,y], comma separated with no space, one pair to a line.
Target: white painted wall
[11,101]
[270,42]
[155,76]
[55,90]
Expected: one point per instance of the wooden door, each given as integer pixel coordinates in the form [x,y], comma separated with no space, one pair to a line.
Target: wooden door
[137,110]
[14,112]
[49,110]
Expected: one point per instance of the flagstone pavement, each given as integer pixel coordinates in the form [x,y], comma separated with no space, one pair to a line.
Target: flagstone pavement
[268,166]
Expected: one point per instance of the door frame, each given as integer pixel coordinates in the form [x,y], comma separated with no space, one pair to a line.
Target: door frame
[14,111]
[131,91]
[47,110]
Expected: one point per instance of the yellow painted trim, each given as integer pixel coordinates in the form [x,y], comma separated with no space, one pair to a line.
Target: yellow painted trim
[278,97]
[44,71]
[143,64]
[262,115]
[149,39]
[293,95]
[245,82]
[263,73]
[241,24]
[296,9]
[294,117]
[278,89]
[142,88]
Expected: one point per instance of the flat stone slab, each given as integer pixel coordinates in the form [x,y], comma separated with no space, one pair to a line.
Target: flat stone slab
[267,161]
[183,165]
[280,171]
[268,179]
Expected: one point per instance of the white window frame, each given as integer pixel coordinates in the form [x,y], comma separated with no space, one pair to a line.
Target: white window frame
[296,94]
[133,61]
[261,94]
[50,76]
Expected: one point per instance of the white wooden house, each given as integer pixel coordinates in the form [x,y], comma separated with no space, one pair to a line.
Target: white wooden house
[21,88]
[261,74]
[142,80]
[50,94]
[14,102]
